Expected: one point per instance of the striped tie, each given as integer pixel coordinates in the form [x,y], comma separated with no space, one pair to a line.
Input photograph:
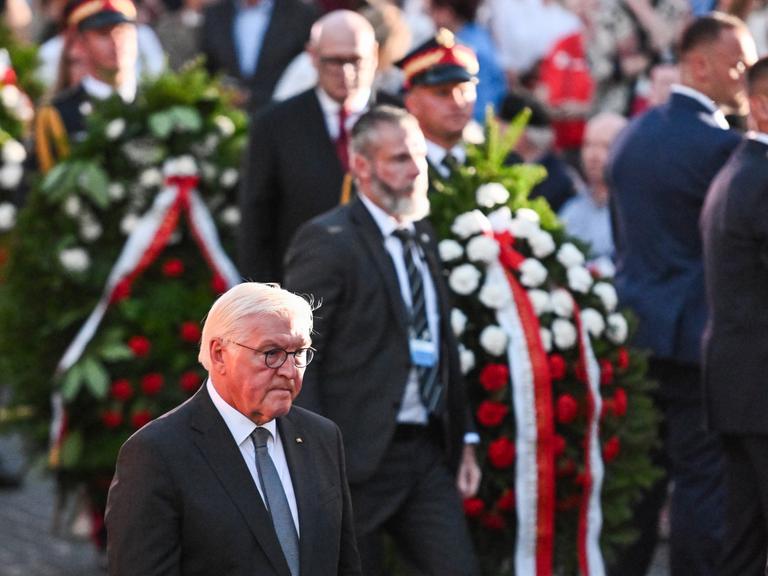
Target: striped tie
[429,384]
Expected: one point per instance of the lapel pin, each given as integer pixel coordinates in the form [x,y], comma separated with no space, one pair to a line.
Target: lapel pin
[299,440]
[425,238]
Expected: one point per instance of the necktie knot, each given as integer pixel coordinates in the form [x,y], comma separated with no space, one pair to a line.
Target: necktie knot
[260,437]
[450,161]
[405,235]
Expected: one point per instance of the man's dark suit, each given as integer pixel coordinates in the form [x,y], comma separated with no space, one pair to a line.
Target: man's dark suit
[659,172]
[291,173]
[284,39]
[183,501]
[734,228]
[363,362]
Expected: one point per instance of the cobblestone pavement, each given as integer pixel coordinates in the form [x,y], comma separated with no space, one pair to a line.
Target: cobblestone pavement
[28,546]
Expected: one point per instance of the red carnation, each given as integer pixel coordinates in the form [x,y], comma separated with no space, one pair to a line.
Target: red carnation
[189,381]
[139,345]
[558,445]
[566,409]
[507,501]
[190,332]
[620,402]
[121,292]
[152,383]
[111,418]
[557,367]
[611,448]
[501,452]
[122,390]
[606,372]
[173,268]
[494,377]
[140,418]
[622,359]
[473,507]
[494,521]
[218,284]
[491,413]
[580,372]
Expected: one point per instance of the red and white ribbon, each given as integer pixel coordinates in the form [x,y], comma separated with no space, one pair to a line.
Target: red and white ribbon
[590,511]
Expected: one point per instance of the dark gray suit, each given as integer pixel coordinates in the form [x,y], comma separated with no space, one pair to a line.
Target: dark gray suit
[734,227]
[183,502]
[358,380]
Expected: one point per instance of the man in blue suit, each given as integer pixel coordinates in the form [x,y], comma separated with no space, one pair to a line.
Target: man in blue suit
[660,170]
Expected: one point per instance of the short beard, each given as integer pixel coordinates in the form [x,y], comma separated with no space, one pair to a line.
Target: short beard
[404,208]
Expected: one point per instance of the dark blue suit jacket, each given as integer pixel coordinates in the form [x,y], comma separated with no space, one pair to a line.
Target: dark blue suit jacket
[660,169]
[734,227]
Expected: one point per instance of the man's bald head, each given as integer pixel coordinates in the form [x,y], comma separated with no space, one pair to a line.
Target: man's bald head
[343,49]
[600,133]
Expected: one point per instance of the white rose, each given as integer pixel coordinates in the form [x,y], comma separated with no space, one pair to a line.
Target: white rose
[209,170]
[482,249]
[90,230]
[229,178]
[13,152]
[231,216]
[494,295]
[617,328]
[500,219]
[128,223]
[186,165]
[72,206]
[579,279]
[150,178]
[469,224]
[564,334]
[115,129]
[607,294]
[10,96]
[569,255]
[225,125]
[523,227]
[493,340]
[449,250]
[593,321]
[467,359]
[491,194]
[210,143]
[7,216]
[562,302]
[464,279]
[458,322]
[542,244]
[546,339]
[10,176]
[85,108]
[532,273]
[116,191]
[74,259]
[540,301]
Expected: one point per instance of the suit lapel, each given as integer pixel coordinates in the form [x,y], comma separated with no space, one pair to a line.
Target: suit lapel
[226,35]
[278,21]
[217,446]
[374,244]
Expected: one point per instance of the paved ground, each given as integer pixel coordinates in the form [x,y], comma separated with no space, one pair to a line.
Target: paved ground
[28,546]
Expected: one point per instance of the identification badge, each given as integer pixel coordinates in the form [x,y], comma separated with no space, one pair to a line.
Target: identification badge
[423,353]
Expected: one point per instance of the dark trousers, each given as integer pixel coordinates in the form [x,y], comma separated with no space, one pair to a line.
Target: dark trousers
[746,527]
[413,498]
[692,459]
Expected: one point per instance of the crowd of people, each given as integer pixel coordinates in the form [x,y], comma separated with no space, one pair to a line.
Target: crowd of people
[356,108]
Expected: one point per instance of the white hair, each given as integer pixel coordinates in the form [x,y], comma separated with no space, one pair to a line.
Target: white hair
[226,318]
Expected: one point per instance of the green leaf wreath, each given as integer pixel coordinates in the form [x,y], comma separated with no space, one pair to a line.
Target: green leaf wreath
[554,271]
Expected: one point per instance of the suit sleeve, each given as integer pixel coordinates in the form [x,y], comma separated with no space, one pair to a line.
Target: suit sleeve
[349,559]
[314,267]
[258,200]
[143,525]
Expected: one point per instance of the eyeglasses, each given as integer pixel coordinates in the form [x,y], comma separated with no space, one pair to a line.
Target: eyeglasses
[340,62]
[276,357]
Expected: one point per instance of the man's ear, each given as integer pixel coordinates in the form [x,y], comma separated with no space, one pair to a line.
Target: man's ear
[216,351]
[360,166]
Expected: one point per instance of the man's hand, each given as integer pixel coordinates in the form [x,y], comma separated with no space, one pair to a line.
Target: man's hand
[468,478]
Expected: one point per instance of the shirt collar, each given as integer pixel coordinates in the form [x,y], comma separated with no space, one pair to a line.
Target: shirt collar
[700,97]
[436,153]
[330,107]
[101,90]
[240,426]
[386,223]
[262,6]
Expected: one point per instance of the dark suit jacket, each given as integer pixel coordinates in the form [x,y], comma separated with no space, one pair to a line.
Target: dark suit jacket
[182,500]
[659,171]
[361,335]
[285,37]
[291,173]
[735,232]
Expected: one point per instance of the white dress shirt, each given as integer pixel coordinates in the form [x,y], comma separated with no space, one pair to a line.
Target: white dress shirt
[250,27]
[436,154]
[331,110]
[241,429]
[101,90]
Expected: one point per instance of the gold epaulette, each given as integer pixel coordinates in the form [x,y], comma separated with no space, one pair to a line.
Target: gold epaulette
[51,140]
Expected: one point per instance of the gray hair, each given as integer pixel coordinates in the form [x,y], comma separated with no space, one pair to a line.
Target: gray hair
[226,318]
[366,130]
